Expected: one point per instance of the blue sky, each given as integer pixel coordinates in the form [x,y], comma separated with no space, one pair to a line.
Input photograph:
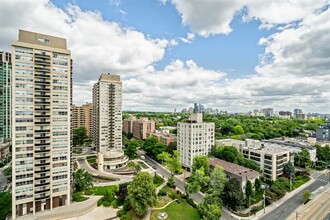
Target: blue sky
[236,55]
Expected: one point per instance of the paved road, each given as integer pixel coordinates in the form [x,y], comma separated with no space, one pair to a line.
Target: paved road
[197,197]
[122,178]
[288,207]
[327,217]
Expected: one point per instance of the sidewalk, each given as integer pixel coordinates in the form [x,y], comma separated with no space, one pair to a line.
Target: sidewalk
[314,209]
[74,210]
[279,202]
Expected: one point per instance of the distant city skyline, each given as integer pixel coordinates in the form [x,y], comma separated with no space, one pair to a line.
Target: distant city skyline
[235,56]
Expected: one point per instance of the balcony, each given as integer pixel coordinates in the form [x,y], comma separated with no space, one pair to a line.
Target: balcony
[42,75]
[41,55]
[42,157]
[41,184]
[41,89]
[42,131]
[42,61]
[41,197]
[42,109]
[42,191]
[42,123]
[42,137]
[42,96]
[41,171]
[42,116]
[42,144]
[42,82]
[42,103]
[42,68]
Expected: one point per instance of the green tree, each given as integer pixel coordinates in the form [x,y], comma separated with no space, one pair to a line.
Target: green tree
[174,163]
[171,147]
[201,161]
[303,158]
[79,135]
[5,204]
[130,150]
[210,208]
[217,181]
[82,179]
[248,191]
[230,154]
[257,185]
[158,148]
[323,153]
[199,179]
[149,144]
[289,169]
[142,193]
[238,130]
[164,157]
[306,196]
[233,195]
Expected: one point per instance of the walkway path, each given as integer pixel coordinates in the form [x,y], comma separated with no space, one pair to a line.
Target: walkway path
[74,210]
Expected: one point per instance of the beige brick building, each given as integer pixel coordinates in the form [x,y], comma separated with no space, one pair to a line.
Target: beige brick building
[82,117]
[141,127]
[41,134]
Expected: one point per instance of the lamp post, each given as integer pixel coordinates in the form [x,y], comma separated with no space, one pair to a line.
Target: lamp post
[264,187]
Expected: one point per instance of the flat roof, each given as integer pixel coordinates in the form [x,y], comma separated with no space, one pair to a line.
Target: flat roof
[233,168]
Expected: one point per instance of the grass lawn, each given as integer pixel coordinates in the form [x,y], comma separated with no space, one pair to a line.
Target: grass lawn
[100,190]
[143,165]
[91,159]
[300,180]
[77,151]
[158,180]
[162,200]
[177,211]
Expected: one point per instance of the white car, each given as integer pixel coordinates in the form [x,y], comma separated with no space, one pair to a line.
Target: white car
[143,157]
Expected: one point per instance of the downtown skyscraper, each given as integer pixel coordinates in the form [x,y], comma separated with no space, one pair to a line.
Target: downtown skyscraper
[107,122]
[41,122]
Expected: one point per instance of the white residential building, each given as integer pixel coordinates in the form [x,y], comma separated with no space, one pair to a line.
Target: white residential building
[107,122]
[194,138]
[41,134]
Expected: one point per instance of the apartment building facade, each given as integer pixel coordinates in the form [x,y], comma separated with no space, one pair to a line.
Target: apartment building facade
[5,97]
[128,124]
[82,117]
[194,138]
[41,111]
[107,122]
[141,127]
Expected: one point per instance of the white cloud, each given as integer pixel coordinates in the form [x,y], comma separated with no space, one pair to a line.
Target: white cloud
[293,71]
[97,45]
[214,16]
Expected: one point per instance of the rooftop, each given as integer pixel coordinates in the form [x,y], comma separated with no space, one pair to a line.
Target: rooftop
[233,168]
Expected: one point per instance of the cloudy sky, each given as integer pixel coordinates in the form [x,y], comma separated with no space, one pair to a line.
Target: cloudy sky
[235,55]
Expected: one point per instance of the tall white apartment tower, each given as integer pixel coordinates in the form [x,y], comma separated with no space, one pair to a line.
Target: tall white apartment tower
[107,122]
[194,138]
[41,134]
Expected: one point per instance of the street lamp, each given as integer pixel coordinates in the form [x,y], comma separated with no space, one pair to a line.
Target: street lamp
[264,186]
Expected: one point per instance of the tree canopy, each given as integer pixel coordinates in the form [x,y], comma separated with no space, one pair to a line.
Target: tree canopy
[233,195]
[79,135]
[82,179]
[142,193]
[201,161]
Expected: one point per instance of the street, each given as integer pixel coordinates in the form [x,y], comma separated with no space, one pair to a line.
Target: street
[288,207]
[197,197]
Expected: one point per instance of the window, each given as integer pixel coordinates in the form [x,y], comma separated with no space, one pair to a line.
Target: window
[43,40]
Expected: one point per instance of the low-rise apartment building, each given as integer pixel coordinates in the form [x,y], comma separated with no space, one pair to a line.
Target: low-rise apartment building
[128,124]
[165,138]
[143,126]
[242,174]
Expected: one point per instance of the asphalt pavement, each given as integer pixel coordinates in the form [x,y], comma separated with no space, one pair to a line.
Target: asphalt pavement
[3,182]
[327,217]
[288,207]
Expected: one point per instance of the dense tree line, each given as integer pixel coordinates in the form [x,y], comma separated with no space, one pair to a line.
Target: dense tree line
[239,126]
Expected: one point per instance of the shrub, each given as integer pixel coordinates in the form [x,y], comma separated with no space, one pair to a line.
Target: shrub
[88,191]
[115,203]
[158,180]
[106,204]
[162,192]
[127,205]
[99,202]
[172,196]
[121,212]
[77,197]
[171,183]
[192,203]
[125,217]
